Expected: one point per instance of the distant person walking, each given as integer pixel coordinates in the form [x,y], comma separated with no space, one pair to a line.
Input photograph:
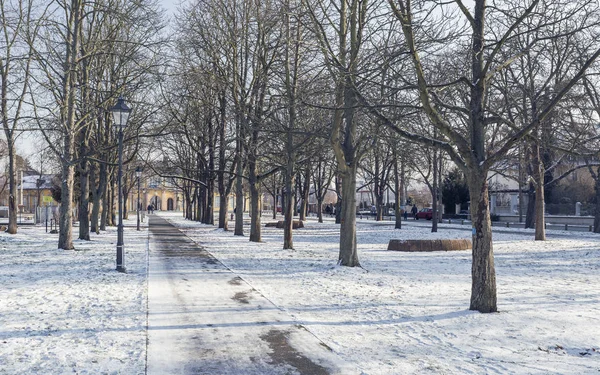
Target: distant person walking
[414,211]
[150,209]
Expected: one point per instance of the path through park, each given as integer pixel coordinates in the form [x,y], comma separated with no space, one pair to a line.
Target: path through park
[204,319]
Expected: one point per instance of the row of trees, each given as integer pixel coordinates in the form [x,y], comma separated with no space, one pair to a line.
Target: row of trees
[306,94]
[381,83]
[63,65]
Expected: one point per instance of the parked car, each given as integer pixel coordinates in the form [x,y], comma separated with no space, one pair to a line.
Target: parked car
[425,213]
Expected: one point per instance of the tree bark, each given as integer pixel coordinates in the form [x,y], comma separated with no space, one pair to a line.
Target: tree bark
[239,203]
[305,194]
[274,196]
[319,209]
[65,234]
[255,229]
[288,242]
[12,188]
[105,204]
[338,202]
[597,213]
[434,193]
[348,246]
[84,200]
[398,194]
[538,167]
[530,213]
[223,221]
[68,114]
[483,273]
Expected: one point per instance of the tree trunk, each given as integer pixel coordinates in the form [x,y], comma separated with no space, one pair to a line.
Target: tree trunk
[338,202]
[105,203]
[95,199]
[434,193]
[223,221]
[379,206]
[378,188]
[398,194]
[319,208]
[84,201]
[305,194]
[112,216]
[255,230]
[198,206]
[295,196]
[288,242]
[12,188]
[597,213]
[65,236]
[239,204]
[94,223]
[68,117]
[189,202]
[125,210]
[530,213]
[210,203]
[483,273]
[348,246]
[540,224]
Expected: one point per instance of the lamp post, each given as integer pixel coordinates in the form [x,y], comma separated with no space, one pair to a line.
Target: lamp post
[138,173]
[120,114]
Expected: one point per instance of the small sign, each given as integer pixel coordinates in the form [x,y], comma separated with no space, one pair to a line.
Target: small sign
[47,199]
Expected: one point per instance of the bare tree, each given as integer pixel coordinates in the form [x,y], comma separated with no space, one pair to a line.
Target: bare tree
[340,27]
[18,24]
[468,149]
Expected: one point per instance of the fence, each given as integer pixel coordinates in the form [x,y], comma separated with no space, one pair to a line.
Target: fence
[587,209]
[43,214]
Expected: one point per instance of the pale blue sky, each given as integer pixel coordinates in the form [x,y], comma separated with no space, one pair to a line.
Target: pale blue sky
[170,5]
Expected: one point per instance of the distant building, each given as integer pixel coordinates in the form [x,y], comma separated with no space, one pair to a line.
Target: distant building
[35,190]
[32,189]
[165,195]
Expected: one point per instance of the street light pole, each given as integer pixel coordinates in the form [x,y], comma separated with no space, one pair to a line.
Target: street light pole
[120,115]
[138,173]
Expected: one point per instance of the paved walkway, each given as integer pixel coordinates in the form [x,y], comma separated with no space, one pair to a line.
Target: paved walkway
[203,319]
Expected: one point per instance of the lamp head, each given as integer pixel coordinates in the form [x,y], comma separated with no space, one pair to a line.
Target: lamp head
[120,112]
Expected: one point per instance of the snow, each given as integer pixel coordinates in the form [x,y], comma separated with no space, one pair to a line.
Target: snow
[401,313]
[69,311]
[212,322]
[407,313]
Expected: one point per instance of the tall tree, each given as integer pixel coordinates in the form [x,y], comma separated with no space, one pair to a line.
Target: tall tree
[468,149]
[347,21]
[17,24]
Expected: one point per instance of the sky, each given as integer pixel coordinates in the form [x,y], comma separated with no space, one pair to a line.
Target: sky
[170,5]
[28,144]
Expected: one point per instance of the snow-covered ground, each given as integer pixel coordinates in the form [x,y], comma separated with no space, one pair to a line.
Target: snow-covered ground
[70,312]
[402,313]
[407,313]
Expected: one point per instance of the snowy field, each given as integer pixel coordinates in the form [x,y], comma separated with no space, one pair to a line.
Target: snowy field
[69,312]
[407,313]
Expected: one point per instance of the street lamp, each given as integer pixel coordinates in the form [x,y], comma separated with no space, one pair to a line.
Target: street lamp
[120,114]
[138,173]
